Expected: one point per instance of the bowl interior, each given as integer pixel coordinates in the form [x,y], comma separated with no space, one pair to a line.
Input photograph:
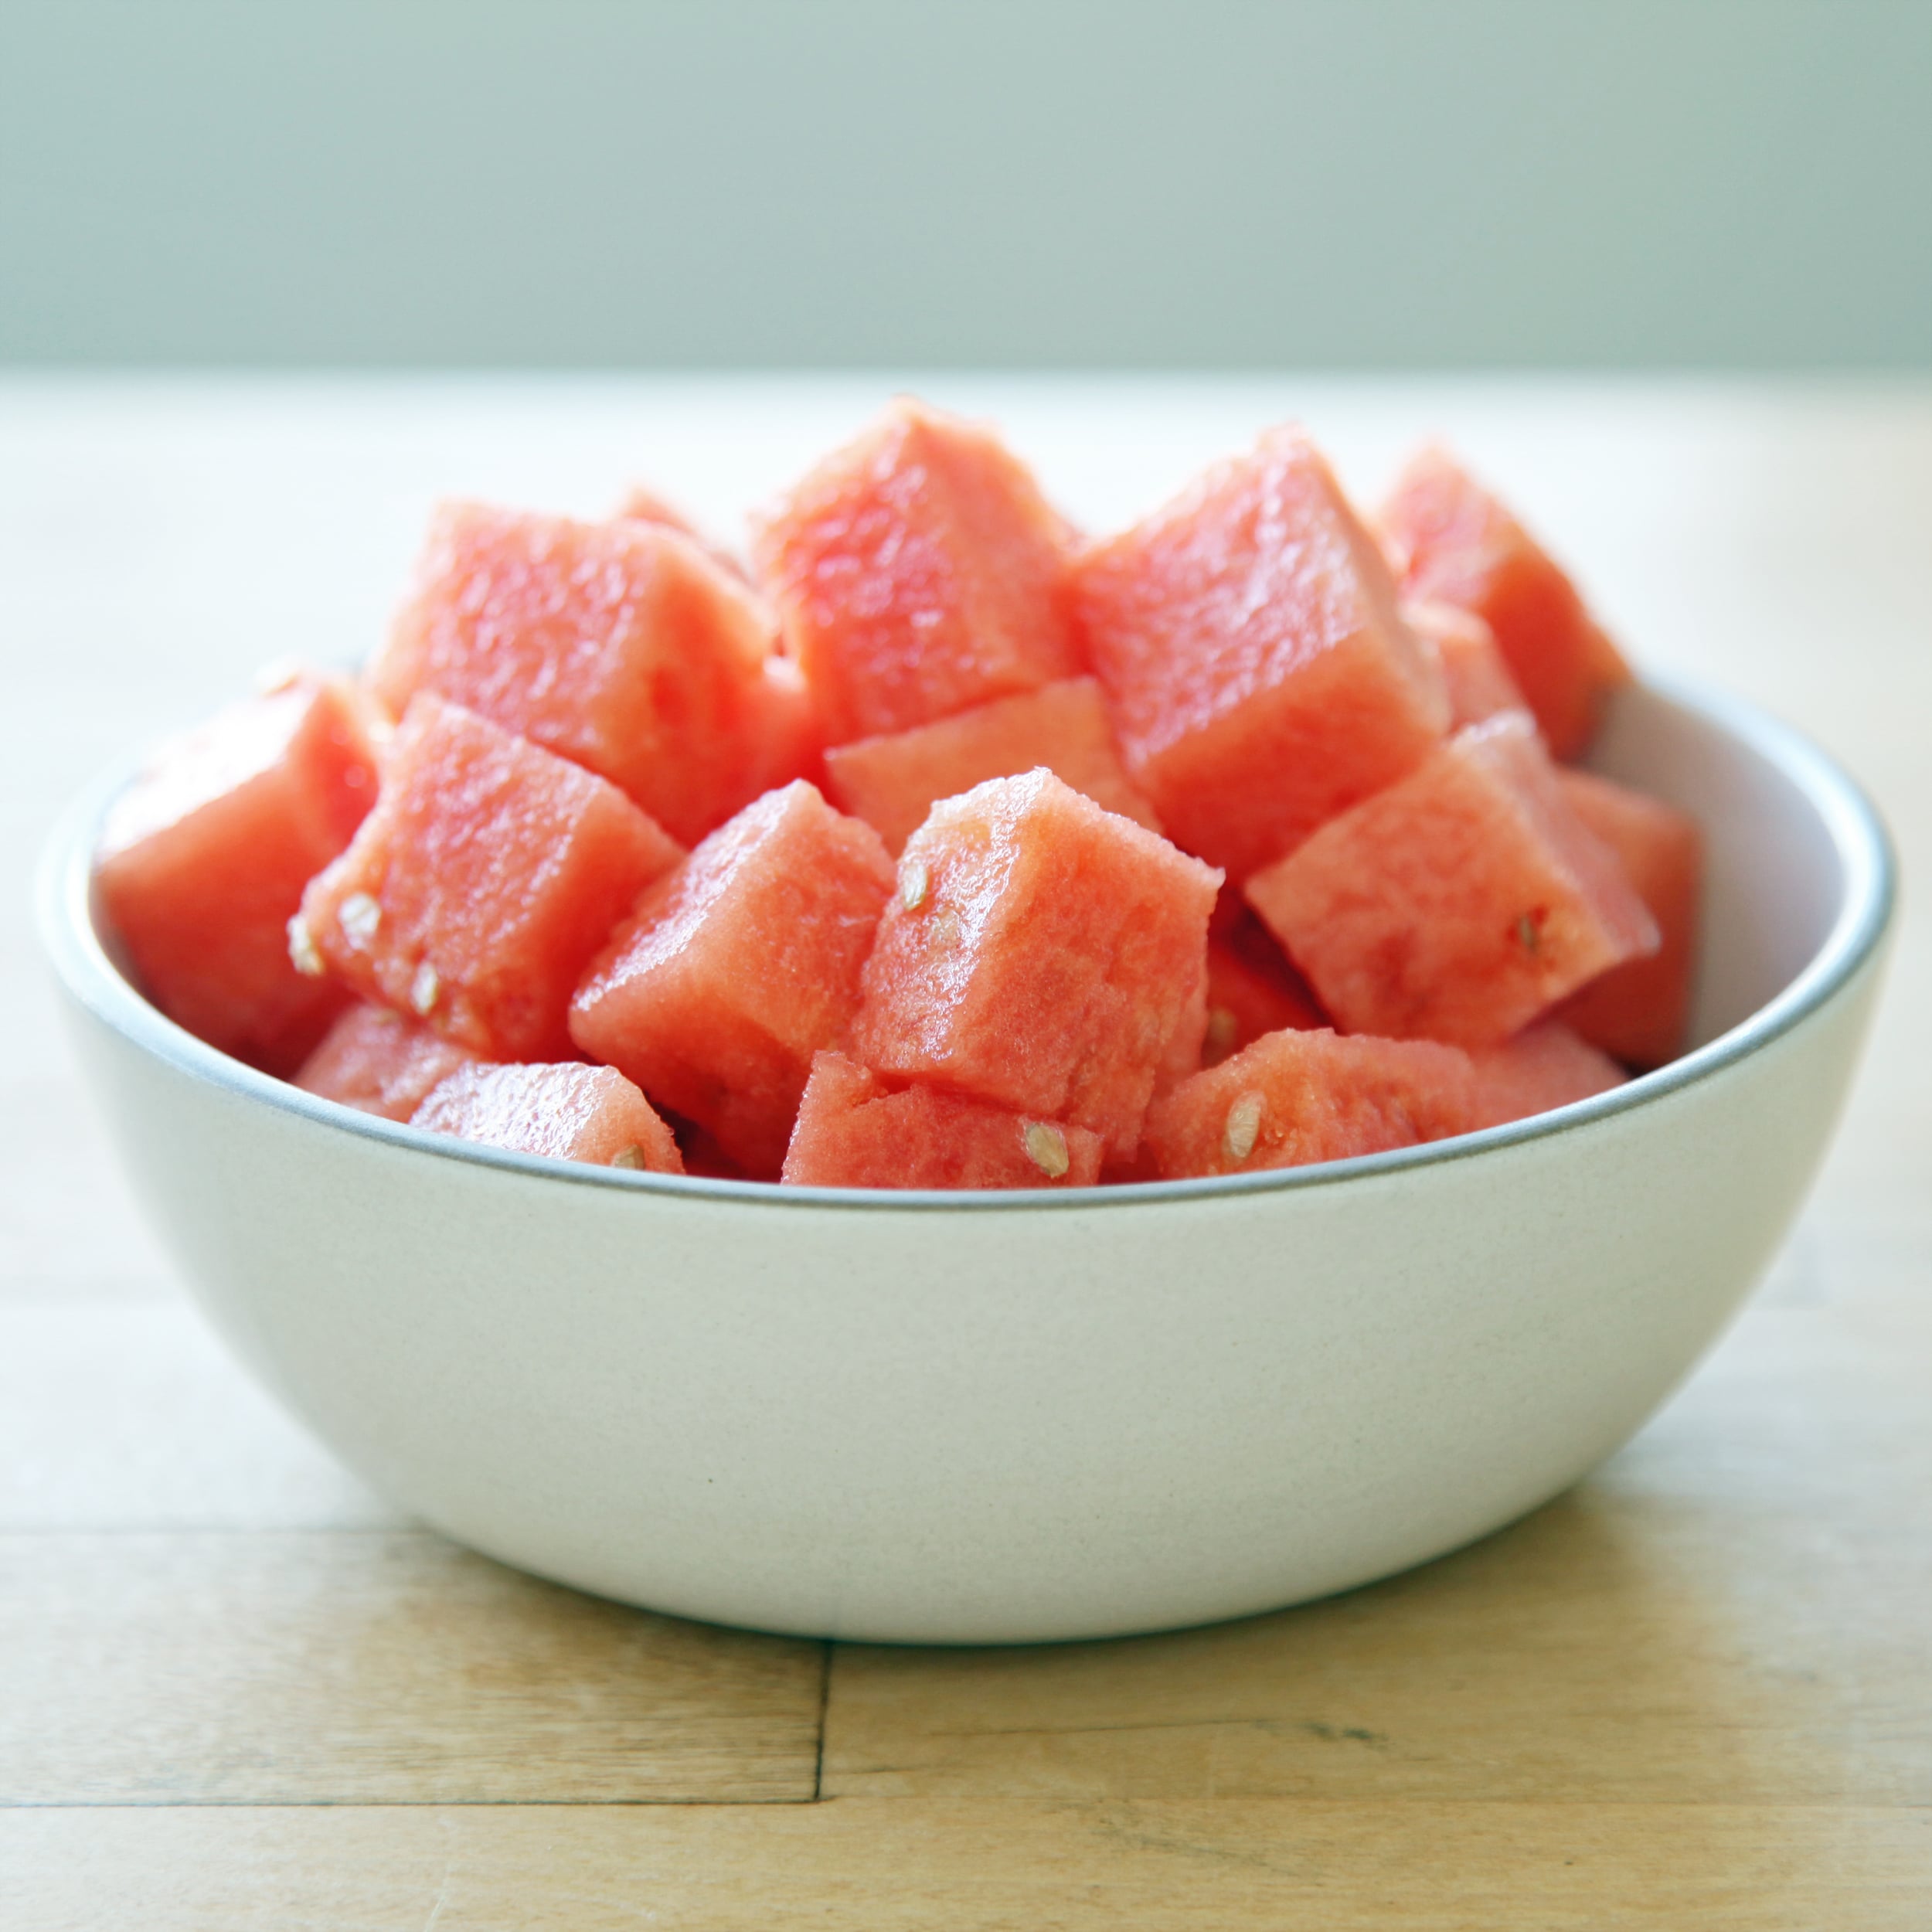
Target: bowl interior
[1785,856]
[1797,892]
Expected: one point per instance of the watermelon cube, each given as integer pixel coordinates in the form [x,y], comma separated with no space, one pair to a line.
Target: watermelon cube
[1463,547]
[569,1112]
[379,1062]
[893,782]
[1260,677]
[738,967]
[1289,1099]
[1041,954]
[853,1131]
[1545,1066]
[918,572]
[620,646]
[1638,1012]
[202,860]
[483,884]
[1460,903]
[1473,669]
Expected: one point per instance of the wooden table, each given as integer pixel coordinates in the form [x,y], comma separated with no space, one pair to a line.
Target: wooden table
[237,1690]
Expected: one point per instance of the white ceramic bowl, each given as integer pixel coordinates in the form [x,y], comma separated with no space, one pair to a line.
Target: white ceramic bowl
[935,1417]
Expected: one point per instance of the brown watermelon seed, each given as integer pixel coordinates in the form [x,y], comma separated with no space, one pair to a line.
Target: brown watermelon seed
[278,675]
[628,1157]
[425,990]
[1221,1027]
[915,881]
[302,954]
[1244,1125]
[359,916]
[1046,1147]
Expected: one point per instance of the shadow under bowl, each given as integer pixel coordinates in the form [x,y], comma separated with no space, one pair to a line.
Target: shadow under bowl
[1004,1418]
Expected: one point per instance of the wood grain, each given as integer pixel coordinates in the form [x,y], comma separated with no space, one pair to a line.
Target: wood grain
[330,1668]
[974,1867]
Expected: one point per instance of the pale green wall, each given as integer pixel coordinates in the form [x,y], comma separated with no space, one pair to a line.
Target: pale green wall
[1387,182]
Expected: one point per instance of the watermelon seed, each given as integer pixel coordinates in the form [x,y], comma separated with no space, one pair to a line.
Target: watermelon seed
[1244,1125]
[914,886]
[360,916]
[1220,1031]
[1046,1147]
[628,1157]
[1528,934]
[425,990]
[301,949]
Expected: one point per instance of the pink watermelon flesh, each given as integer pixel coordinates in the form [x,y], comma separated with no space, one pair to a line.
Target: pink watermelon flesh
[378,1062]
[1292,1098]
[918,572]
[1638,1012]
[1041,954]
[1246,999]
[203,857]
[1545,1066]
[893,782]
[1462,547]
[620,646]
[737,967]
[1460,903]
[855,1131]
[482,885]
[569,1112]
[1259,676]
[1474,670]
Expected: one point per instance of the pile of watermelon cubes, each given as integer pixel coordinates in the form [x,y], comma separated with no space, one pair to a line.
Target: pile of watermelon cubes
[941,845]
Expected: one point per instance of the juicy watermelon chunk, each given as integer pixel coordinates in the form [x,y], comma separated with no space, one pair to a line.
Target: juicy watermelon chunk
[893,782]
[1545,1066]
[1474,670]
[855,1131]
[1260,678]
[378,1062]
[918,572]
[569,1112]
[483,884]
[738,967]
[620,646]
[1460,903]
[1041,954]
[1464,548]
[1638,1012]
[1292,1098]
[203,857]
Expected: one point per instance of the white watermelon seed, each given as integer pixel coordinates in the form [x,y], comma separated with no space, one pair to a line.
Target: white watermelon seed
[1046,1147]
[1244,1125]
[301,949]
[359,915]
[630,1156]
[914,882]
[425,990]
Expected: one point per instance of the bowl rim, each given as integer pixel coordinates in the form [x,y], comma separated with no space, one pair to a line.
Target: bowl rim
[1869,865]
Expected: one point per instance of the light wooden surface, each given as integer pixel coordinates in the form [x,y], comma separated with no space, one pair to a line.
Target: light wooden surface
[236,1690]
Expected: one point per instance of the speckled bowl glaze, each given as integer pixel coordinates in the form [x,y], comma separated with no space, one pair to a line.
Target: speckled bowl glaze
[1000,1418]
